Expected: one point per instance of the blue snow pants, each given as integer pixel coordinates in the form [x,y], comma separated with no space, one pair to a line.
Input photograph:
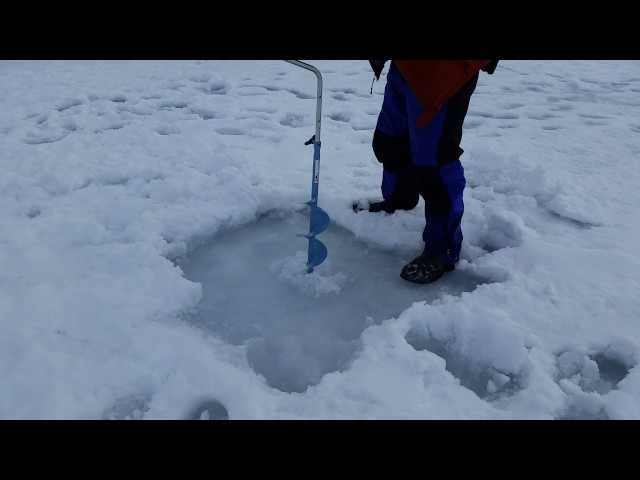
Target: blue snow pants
[424,161]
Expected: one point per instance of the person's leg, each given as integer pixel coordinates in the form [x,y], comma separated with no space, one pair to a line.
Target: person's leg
[442,189]
[391,146]
[440,180]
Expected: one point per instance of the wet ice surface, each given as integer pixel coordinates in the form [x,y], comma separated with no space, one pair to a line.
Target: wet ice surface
[299,326]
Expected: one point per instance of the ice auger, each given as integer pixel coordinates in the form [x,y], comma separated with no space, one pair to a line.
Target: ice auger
[318,218]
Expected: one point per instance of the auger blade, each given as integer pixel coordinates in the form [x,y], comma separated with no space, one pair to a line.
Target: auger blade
[319,220]
[316,255]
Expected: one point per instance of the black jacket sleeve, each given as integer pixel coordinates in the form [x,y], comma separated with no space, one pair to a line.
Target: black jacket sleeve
[377,66]
[490,67]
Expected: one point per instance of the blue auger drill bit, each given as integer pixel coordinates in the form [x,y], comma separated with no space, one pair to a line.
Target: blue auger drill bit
[318,218]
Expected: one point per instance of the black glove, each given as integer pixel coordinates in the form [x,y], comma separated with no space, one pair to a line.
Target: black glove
[377,66]
[490,67]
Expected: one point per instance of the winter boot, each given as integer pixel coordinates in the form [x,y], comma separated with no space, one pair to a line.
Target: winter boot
[375,207]
[425,269]
[381,206]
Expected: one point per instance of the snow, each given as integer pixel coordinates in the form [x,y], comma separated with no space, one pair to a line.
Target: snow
[152,268]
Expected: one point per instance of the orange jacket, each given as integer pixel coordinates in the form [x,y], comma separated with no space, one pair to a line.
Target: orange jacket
[436,81]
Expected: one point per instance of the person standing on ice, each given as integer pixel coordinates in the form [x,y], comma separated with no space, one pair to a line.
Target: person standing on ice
[417,140]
